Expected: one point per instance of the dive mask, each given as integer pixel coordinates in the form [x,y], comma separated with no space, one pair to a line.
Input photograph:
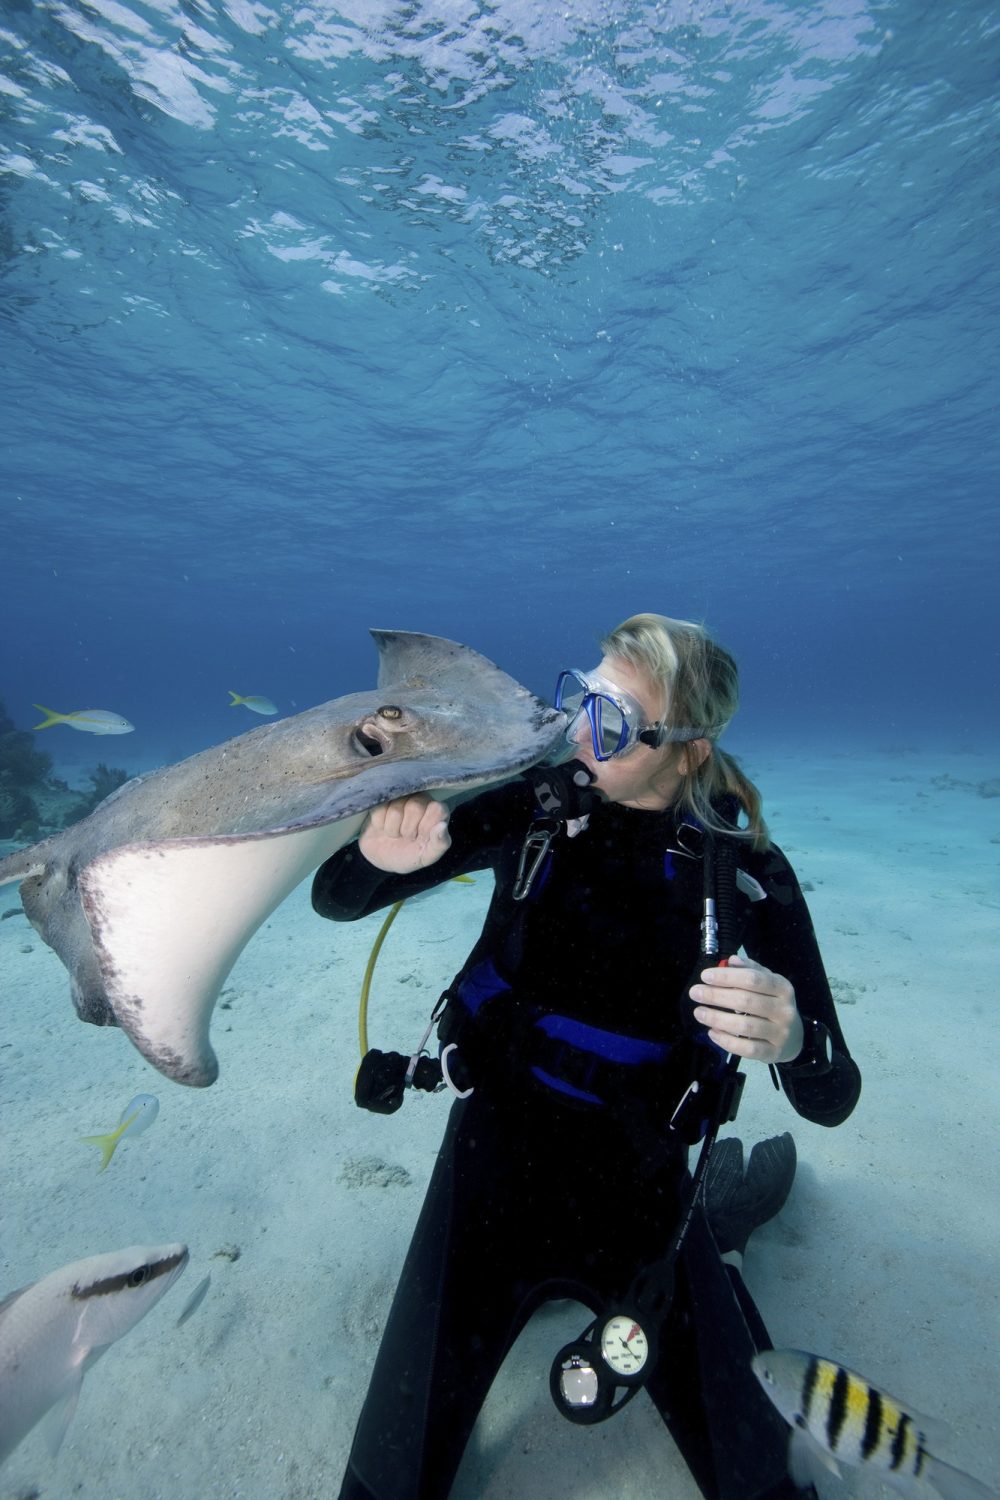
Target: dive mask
[617,721]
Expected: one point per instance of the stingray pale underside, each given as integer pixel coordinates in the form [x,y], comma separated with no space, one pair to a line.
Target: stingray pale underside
[170,919]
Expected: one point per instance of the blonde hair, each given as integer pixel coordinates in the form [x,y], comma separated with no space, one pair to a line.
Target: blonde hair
[700,682]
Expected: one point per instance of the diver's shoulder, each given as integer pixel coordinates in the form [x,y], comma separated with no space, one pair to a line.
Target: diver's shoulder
[775,872]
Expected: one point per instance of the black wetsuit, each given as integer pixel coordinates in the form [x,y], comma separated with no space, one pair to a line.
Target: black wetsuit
[558,1177]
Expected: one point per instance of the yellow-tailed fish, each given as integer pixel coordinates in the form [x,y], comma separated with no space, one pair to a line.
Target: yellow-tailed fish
[90,720]
[253,701]
[836,1415]
[137,1116]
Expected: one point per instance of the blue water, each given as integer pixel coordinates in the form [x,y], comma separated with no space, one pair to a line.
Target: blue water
[501,321]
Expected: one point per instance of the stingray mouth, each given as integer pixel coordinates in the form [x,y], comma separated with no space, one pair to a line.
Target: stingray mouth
[374,736]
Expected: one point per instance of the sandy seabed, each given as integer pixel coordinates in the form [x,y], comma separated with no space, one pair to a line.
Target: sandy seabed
[300,1205]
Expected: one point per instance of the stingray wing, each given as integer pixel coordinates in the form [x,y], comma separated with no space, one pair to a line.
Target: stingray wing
[169,921]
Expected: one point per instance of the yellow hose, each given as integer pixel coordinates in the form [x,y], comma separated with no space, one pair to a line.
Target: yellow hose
[366,983]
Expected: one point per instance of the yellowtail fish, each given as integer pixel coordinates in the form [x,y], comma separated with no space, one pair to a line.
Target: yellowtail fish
[90,720]
[137,1116]
[835,1414]
[53,1331]
[253,701]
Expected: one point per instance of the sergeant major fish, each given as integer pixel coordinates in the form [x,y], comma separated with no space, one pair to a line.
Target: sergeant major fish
[835,1414]
[53,1331]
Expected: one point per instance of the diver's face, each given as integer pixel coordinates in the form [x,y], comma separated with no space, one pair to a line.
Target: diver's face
[642,777]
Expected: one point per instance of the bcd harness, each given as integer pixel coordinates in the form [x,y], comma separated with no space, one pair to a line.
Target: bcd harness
[665,1092]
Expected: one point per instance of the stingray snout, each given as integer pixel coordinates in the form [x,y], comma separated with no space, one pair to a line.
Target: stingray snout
[374,735]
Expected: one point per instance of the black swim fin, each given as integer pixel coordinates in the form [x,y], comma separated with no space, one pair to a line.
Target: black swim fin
[738,1202]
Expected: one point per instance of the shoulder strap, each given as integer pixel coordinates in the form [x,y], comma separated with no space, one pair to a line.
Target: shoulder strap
[561,793]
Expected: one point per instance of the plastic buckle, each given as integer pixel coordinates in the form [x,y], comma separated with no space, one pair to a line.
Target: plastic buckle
[678,1118]
[448,1081]
[726,1091]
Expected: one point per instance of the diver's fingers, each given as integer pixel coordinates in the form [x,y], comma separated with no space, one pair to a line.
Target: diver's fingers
[749,1010]
[405,835]
[743,974]
[743,1046]
[430,834]
[376,821]
[399,818]
[735,1023]
[742,988]
[421,816]
[746,1035]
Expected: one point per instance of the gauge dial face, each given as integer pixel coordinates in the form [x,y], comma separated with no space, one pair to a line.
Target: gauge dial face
[623,1345]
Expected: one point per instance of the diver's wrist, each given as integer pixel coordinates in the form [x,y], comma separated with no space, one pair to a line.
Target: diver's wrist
[816,1057]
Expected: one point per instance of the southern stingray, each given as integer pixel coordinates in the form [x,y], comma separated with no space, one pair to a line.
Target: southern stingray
[150,899]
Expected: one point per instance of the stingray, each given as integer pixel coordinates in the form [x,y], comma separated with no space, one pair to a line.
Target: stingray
[149,901]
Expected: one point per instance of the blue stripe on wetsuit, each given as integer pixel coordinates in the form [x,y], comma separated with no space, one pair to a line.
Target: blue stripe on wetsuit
[481,984]
[589,1045]
[610,1045]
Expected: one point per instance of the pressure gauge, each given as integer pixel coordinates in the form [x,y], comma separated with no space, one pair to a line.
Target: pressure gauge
[624,1346]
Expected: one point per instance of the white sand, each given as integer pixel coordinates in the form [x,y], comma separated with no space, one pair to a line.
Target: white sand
[885,1257]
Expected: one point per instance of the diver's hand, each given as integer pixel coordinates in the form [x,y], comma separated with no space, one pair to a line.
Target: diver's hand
[749,1011]
[406,835]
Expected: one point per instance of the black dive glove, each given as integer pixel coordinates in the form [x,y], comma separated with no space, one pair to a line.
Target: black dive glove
[563,791]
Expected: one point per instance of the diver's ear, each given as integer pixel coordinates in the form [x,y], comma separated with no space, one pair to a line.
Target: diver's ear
[693,755]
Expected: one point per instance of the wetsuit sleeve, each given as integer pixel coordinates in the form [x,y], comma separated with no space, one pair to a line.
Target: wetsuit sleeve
[347,886]
[781,935]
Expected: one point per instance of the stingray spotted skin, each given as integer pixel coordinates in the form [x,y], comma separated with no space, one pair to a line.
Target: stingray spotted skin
[149,901]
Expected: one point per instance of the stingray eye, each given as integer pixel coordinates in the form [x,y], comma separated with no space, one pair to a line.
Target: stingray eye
[376,735]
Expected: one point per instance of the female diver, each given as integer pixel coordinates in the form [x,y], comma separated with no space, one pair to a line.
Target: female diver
[564,1173]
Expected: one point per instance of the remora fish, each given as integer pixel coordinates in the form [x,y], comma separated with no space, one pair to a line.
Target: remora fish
[53,1331]
[836,1414]
[149,901]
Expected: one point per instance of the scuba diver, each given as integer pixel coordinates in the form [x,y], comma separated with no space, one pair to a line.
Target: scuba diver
[644,938]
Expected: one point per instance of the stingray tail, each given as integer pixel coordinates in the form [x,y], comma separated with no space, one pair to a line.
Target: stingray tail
[51,717]
[23,864]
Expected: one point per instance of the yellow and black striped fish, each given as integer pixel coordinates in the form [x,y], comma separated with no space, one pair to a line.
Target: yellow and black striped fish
[836,1415]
